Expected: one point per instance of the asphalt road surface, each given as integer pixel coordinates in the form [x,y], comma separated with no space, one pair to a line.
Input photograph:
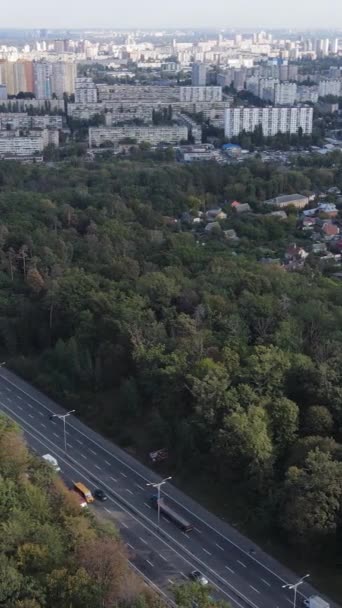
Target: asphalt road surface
[238,570]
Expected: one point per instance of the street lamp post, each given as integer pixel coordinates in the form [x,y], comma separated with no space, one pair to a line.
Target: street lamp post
[158,485]
[295,586]
[63,417]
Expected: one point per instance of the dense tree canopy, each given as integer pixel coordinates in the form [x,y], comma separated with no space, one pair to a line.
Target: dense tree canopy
[165,337]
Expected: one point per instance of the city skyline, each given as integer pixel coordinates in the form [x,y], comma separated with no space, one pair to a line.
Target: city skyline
[247,13]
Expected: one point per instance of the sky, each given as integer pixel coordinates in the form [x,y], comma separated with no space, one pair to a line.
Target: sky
[175,13]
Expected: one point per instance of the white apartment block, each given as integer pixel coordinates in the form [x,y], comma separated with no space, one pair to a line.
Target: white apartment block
[16,146]
[329,87]
[272,120]
[21,120]
[194,94]
[135,93]
[285,93]
[153,135]
[85,90]
[305,94]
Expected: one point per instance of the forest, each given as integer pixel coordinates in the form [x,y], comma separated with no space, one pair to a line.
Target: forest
[161,340]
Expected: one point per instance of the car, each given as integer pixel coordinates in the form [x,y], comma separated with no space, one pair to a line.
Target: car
[100,495]
[198,577]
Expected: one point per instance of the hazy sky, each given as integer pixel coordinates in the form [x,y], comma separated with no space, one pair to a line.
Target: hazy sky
[174,13]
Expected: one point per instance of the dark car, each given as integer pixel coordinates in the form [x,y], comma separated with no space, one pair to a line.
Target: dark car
[99,494]
[197,576]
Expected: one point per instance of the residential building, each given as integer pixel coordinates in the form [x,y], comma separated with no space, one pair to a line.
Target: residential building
[17,76]
[329,87]
[199,75]
[286,200]
[42,72]
[12,145]
[272,120]
[307,94]
[285,93]
[153,135]
[3,91]
[63,77]
[200,93]
[85,91]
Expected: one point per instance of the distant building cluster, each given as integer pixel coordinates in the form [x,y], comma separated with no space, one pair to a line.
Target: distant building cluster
[272,120]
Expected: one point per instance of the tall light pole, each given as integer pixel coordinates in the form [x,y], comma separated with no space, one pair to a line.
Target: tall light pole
[158,485]
[295,586]
[63,417]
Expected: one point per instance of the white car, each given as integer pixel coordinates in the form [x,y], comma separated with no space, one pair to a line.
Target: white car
[52,461]
[198,577]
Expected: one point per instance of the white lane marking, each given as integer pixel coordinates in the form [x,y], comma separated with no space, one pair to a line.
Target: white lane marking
[84,473]
[43,425]
[130,491]
[123,474]
[139,486]
[40,413]
[79,441]
[9,399]
[69,445]
[97,467]
[241,563]
[164,558]
[31,416]
[18,397]
[143,540]
[182,574]
[130,546]
[55,434]
[83,456]
[265,582]
[92,451]
[108,510]
[288,600]
[148,561]
[147,505]
[254,589]
[122,523]
[52,421]
[230,570]
[29,405]
[113,478]
[8,389]
[206,551]
[170,581]
[165,519]
[108,463]
[19,407]
[185,534]
[219,546]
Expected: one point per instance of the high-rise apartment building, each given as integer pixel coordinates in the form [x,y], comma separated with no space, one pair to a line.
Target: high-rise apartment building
[329,87]
[199,75]
[3,91]
[17,76]
[272,120]
[63,78]
[42,71]
[85,91]
[285,93]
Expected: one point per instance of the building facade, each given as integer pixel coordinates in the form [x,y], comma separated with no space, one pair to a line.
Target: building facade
[154,135]
[272,120]
[199,75]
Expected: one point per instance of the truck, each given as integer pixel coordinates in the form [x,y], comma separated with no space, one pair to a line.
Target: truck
[84,491]
[167,511]
[314,601]
[52,462]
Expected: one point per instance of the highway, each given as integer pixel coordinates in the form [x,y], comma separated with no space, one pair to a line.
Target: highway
[238,571]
